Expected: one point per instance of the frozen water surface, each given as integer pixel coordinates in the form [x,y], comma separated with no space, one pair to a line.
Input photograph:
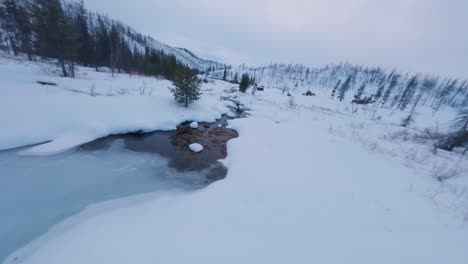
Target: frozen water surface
[39,192]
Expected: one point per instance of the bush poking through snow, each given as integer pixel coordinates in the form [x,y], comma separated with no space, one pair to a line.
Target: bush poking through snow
[443,173]
[407,120]
[309,93]
[187,87]
[292,102]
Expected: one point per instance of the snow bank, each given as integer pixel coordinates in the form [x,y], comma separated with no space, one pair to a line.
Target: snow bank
[195,147]
[92,106]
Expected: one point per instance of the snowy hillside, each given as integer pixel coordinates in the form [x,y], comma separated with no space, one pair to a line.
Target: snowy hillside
[133,39]
[387,89]
[183,55]
[310,179]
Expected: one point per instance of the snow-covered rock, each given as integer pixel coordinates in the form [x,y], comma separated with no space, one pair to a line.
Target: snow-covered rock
[194,125]
[195,147]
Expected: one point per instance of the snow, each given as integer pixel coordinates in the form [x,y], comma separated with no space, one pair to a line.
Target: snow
[194,125]
[231,115]
[89,107]
[320,183]
[195,147]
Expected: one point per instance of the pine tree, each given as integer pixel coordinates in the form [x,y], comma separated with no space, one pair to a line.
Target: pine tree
[55,37]
[244,83]
[344,88]
[236,78]
[336,88]
[408,93]
[102,44]
[380,91]
[85,50]
[224,75]
[115,48]
[393,83]
[360,91]
[19,25]
[8,24]
[187,87]
[449,86]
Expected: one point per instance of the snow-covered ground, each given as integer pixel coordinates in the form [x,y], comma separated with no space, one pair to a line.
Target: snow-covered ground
[67,114]
[315,182]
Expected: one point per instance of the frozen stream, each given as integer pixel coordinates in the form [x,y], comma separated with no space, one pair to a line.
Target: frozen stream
[39,192]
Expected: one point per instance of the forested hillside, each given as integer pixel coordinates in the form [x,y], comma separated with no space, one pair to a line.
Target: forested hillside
[346,82]
[68,32]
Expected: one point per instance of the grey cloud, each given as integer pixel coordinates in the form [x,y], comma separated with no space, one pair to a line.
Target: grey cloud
[412,35]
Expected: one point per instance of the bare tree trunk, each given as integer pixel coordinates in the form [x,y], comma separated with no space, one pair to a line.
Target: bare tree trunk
[10,38]
[64,70]
[72,73]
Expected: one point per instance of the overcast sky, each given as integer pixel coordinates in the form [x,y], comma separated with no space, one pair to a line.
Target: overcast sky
[411,35]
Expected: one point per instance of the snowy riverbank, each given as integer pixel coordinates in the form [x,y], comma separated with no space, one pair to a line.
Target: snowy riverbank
[94,105]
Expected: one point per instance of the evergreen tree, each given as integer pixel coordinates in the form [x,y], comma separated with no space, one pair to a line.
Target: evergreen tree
[449,86]
[85,49]
[360,91]
[380,91]
[336,88]
[55,37]
[102,44]
[114,48]
[393,83]
[236,78]
[244,83]
[187,87]
[9,26]
[19,26]
[344,88]
[224,75]
[408,93]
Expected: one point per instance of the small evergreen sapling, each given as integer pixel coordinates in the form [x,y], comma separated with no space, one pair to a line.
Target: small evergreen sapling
[245,83]
[186,87]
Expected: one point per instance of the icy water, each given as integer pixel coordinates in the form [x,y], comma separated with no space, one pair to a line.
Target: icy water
[38,192]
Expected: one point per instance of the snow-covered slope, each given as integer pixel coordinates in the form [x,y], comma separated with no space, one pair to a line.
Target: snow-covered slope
[306,184]
[140,41]
[436,91]
[183,55]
